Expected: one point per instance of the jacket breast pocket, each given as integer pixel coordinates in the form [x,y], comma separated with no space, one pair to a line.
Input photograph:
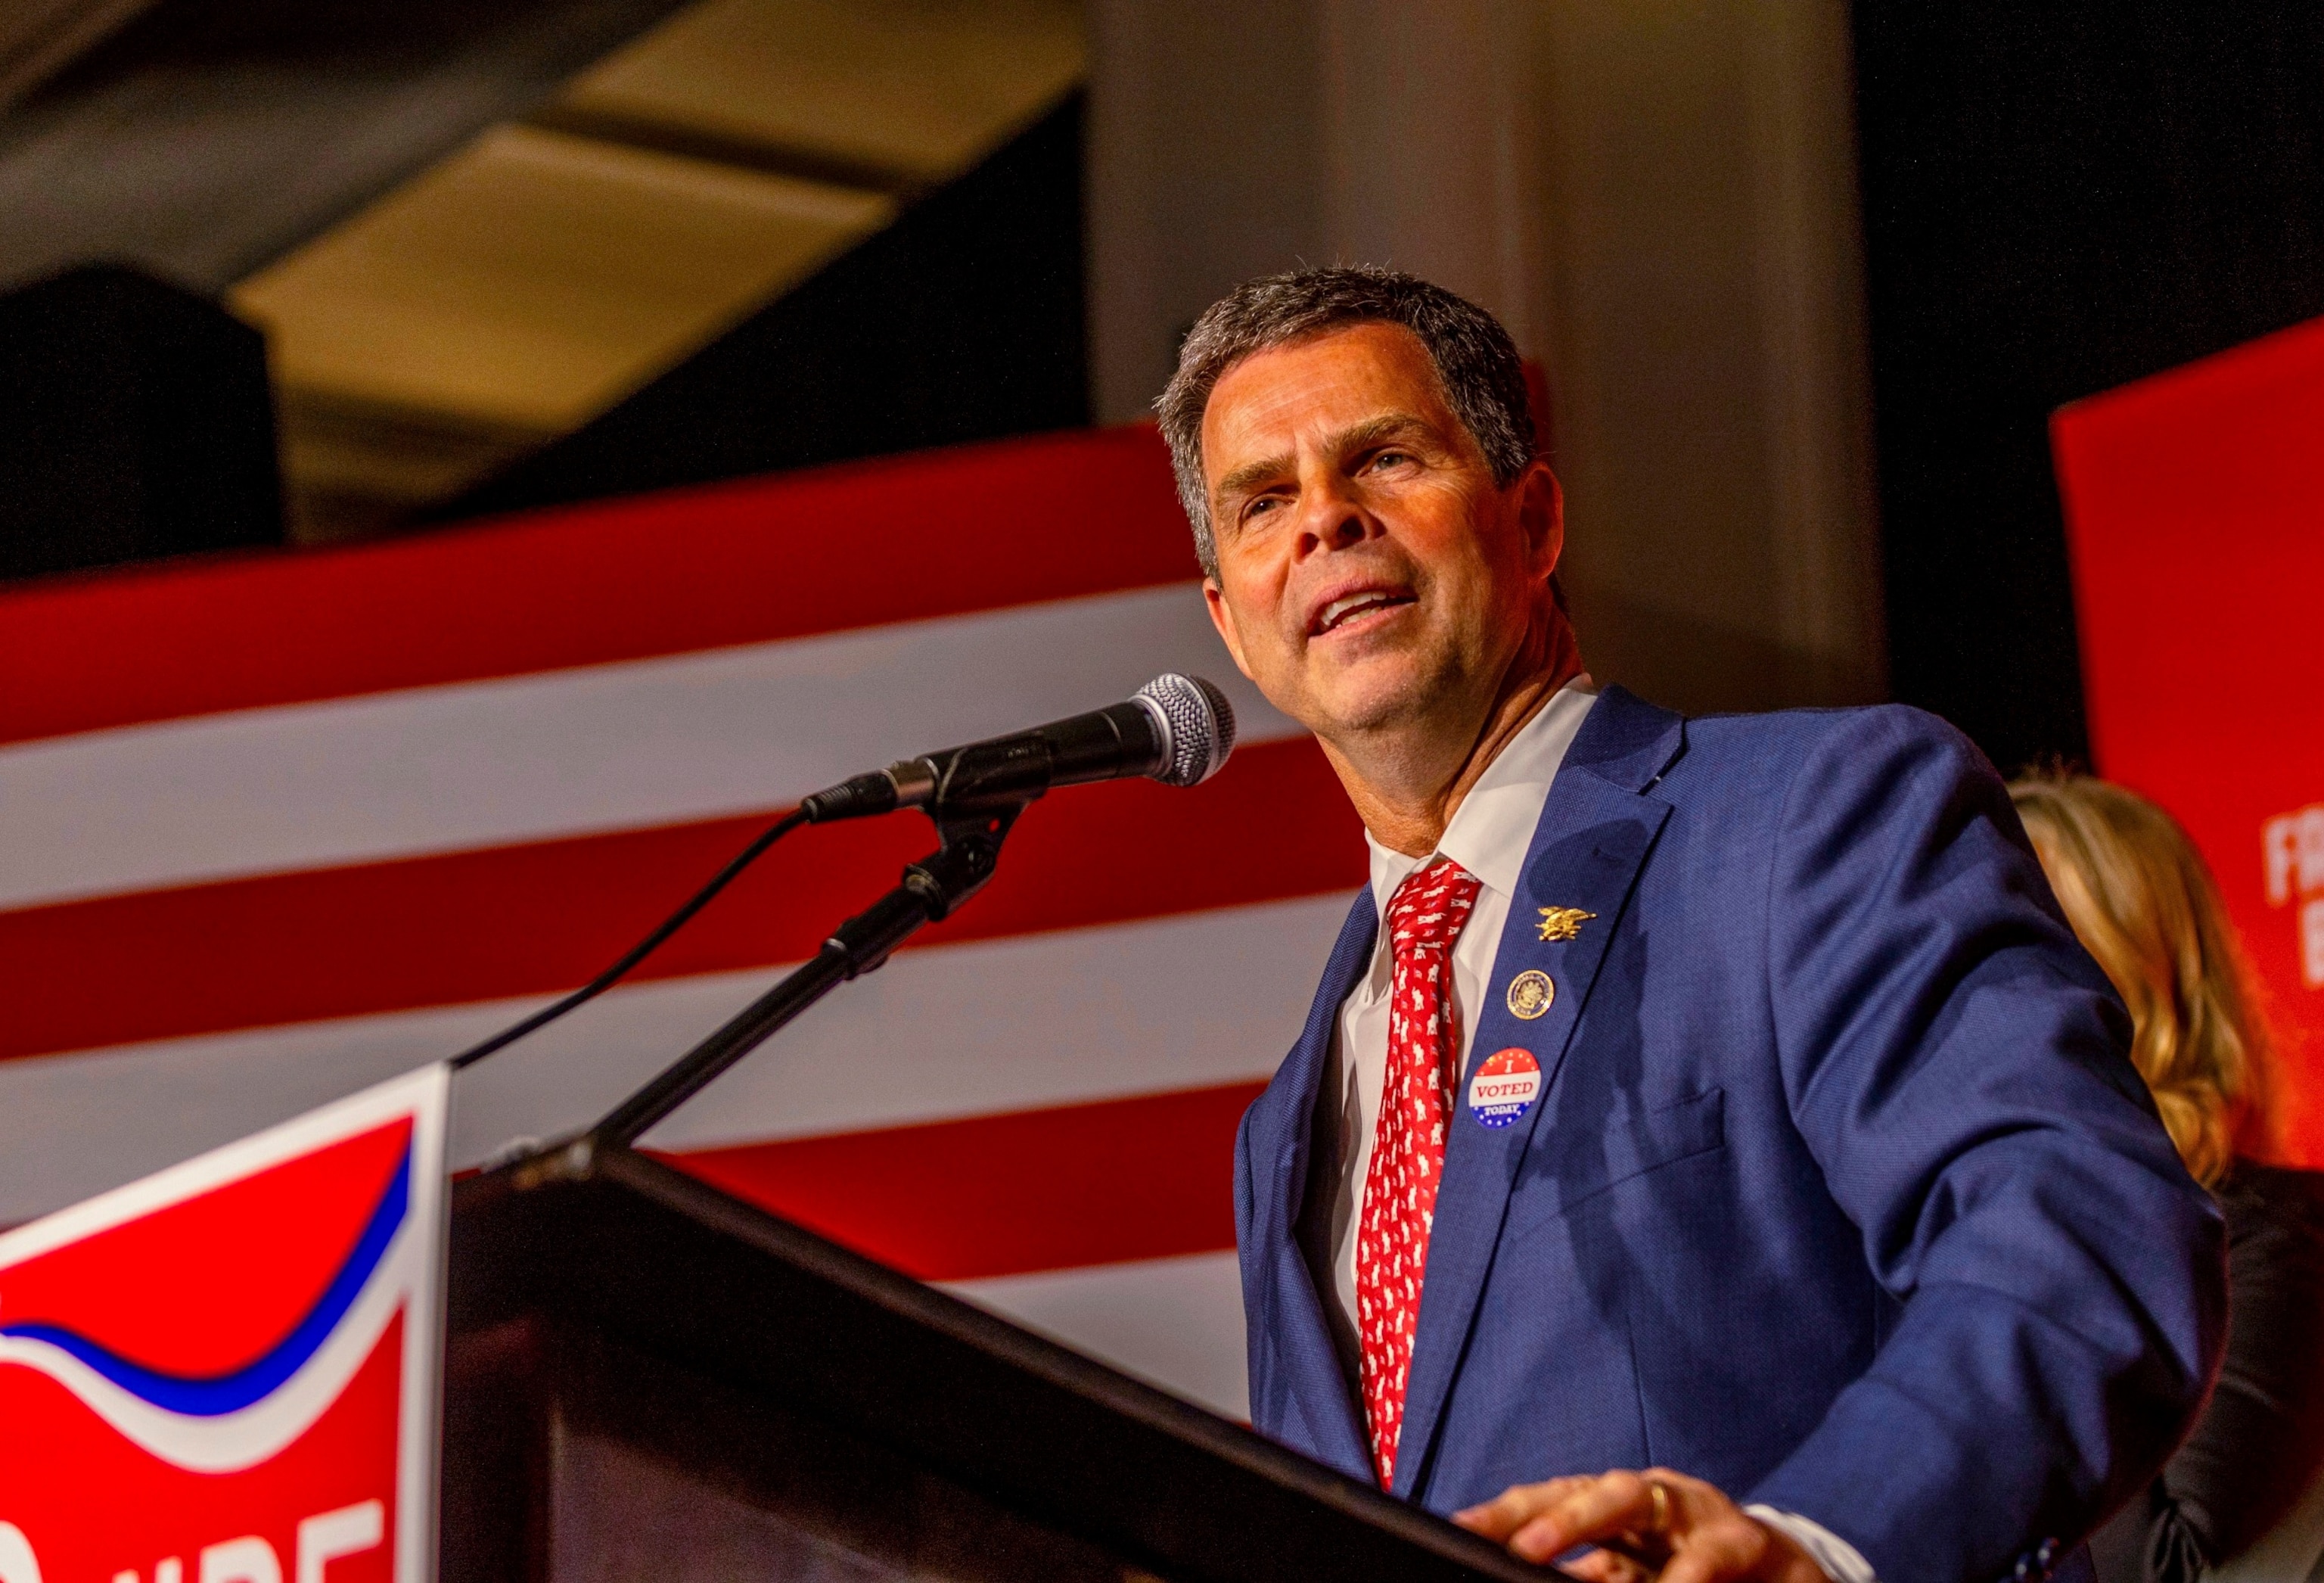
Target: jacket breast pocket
[1567,1168]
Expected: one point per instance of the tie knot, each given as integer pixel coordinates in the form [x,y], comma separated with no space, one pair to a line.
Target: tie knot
[1428,909]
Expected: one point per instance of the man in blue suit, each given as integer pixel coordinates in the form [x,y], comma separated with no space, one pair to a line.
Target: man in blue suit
[1726,1159]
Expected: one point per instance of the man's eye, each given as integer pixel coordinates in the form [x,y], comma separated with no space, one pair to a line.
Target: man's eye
[1265,503]
[1390,458]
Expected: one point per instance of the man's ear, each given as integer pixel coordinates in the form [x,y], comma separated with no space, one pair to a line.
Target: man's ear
[1222,618]
[1541,517]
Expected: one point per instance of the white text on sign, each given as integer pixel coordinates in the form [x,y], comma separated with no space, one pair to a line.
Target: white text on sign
[2292,848]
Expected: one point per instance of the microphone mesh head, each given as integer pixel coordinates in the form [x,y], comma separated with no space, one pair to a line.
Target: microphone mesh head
[1202,727]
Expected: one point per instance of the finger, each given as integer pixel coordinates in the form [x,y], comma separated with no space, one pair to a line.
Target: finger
[1542,1541]
[1689,1501]
[1501,1516]
[1722,1550]
[1510,1510]
[1600,1508]
[1603,1566]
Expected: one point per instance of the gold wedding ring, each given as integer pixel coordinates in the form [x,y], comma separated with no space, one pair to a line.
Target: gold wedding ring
[1659,1523]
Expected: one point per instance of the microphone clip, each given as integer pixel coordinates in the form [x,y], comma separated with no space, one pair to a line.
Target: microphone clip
[982,780]
[968,851]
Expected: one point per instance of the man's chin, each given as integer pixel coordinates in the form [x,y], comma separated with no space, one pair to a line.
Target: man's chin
[1374,704]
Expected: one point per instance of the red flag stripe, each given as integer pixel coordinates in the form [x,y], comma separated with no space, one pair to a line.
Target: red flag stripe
[569,752]
[901,538]
[529,919]
[1066,1016]
[1146,1178]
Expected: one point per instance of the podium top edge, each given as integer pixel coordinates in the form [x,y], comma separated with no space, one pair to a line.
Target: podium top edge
[1231,1459]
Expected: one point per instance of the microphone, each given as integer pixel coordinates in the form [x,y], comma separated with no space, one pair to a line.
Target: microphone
[1176,729]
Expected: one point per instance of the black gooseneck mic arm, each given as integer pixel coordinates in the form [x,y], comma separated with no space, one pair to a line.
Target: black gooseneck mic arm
[931,889]
[1176,729]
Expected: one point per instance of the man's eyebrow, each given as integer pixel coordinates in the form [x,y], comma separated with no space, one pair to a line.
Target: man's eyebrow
[1250,472]
[1356,437]
[1372,431]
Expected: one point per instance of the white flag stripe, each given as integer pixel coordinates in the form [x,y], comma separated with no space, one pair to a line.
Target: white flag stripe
[591,749]
[1176,1323]
[1016,1023]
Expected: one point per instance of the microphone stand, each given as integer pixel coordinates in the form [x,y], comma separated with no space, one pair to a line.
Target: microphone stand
[932,889]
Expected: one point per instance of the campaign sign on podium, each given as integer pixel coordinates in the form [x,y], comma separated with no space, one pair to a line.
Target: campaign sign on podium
[227,1372]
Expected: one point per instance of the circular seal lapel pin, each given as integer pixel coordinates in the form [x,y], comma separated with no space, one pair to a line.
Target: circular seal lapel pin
[1504,1087]
[1531,992]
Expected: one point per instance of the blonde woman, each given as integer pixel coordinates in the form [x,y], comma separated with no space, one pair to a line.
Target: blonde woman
[2245,1487]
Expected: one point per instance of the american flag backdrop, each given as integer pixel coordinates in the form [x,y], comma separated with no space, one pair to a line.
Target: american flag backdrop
[274,829]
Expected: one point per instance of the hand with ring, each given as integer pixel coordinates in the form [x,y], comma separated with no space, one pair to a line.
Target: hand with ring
[1652,1524]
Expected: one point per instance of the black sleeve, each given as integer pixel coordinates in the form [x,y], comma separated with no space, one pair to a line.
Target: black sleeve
[2260,1442]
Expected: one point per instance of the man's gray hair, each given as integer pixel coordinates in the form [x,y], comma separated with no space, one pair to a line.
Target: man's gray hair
[1476,363]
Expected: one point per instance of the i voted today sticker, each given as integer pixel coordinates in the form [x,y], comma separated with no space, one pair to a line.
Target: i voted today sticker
[1504,1087]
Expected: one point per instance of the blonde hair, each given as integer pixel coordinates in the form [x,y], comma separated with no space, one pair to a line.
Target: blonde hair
[2137,894]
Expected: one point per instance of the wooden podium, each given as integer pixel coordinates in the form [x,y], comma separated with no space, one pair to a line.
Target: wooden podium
[646,1379]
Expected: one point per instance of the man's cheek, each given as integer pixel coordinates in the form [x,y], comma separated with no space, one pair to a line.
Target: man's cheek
[1251,640]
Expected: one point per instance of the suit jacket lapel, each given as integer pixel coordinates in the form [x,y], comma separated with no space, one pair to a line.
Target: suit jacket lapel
[1293,1321]
[1595,830]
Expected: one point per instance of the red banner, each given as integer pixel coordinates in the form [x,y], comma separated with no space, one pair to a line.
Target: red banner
[2195,516]
[227,1372]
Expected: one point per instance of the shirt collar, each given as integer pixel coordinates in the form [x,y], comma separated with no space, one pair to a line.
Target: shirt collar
[1494,825]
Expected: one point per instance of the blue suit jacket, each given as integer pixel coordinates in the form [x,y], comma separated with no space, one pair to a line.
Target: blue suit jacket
[1841,1192]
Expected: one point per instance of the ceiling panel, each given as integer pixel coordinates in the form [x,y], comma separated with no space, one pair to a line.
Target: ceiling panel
[534,277]
[540,271]
[920,88]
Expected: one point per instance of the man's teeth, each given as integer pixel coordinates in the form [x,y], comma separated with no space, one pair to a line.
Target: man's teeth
[1339,608]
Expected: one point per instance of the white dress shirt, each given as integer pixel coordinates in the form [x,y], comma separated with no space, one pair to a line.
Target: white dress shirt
[1489,835]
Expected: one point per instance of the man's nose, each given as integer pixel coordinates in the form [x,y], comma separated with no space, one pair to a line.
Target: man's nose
[1335,520]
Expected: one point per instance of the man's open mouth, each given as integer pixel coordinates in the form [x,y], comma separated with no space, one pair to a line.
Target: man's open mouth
[1354,606]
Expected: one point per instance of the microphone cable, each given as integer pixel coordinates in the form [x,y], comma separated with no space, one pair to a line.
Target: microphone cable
[639,951]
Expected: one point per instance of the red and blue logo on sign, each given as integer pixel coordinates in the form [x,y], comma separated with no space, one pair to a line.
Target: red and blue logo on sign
[227,1372]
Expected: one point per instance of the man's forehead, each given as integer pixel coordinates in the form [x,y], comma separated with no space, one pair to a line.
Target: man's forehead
[1329,385]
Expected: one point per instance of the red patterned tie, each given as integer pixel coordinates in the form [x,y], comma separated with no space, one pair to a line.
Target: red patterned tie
[1424,918]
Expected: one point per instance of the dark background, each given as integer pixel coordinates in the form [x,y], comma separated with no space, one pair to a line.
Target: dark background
[2058,197]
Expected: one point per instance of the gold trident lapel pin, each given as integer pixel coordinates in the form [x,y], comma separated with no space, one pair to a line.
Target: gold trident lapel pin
[1564,922]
